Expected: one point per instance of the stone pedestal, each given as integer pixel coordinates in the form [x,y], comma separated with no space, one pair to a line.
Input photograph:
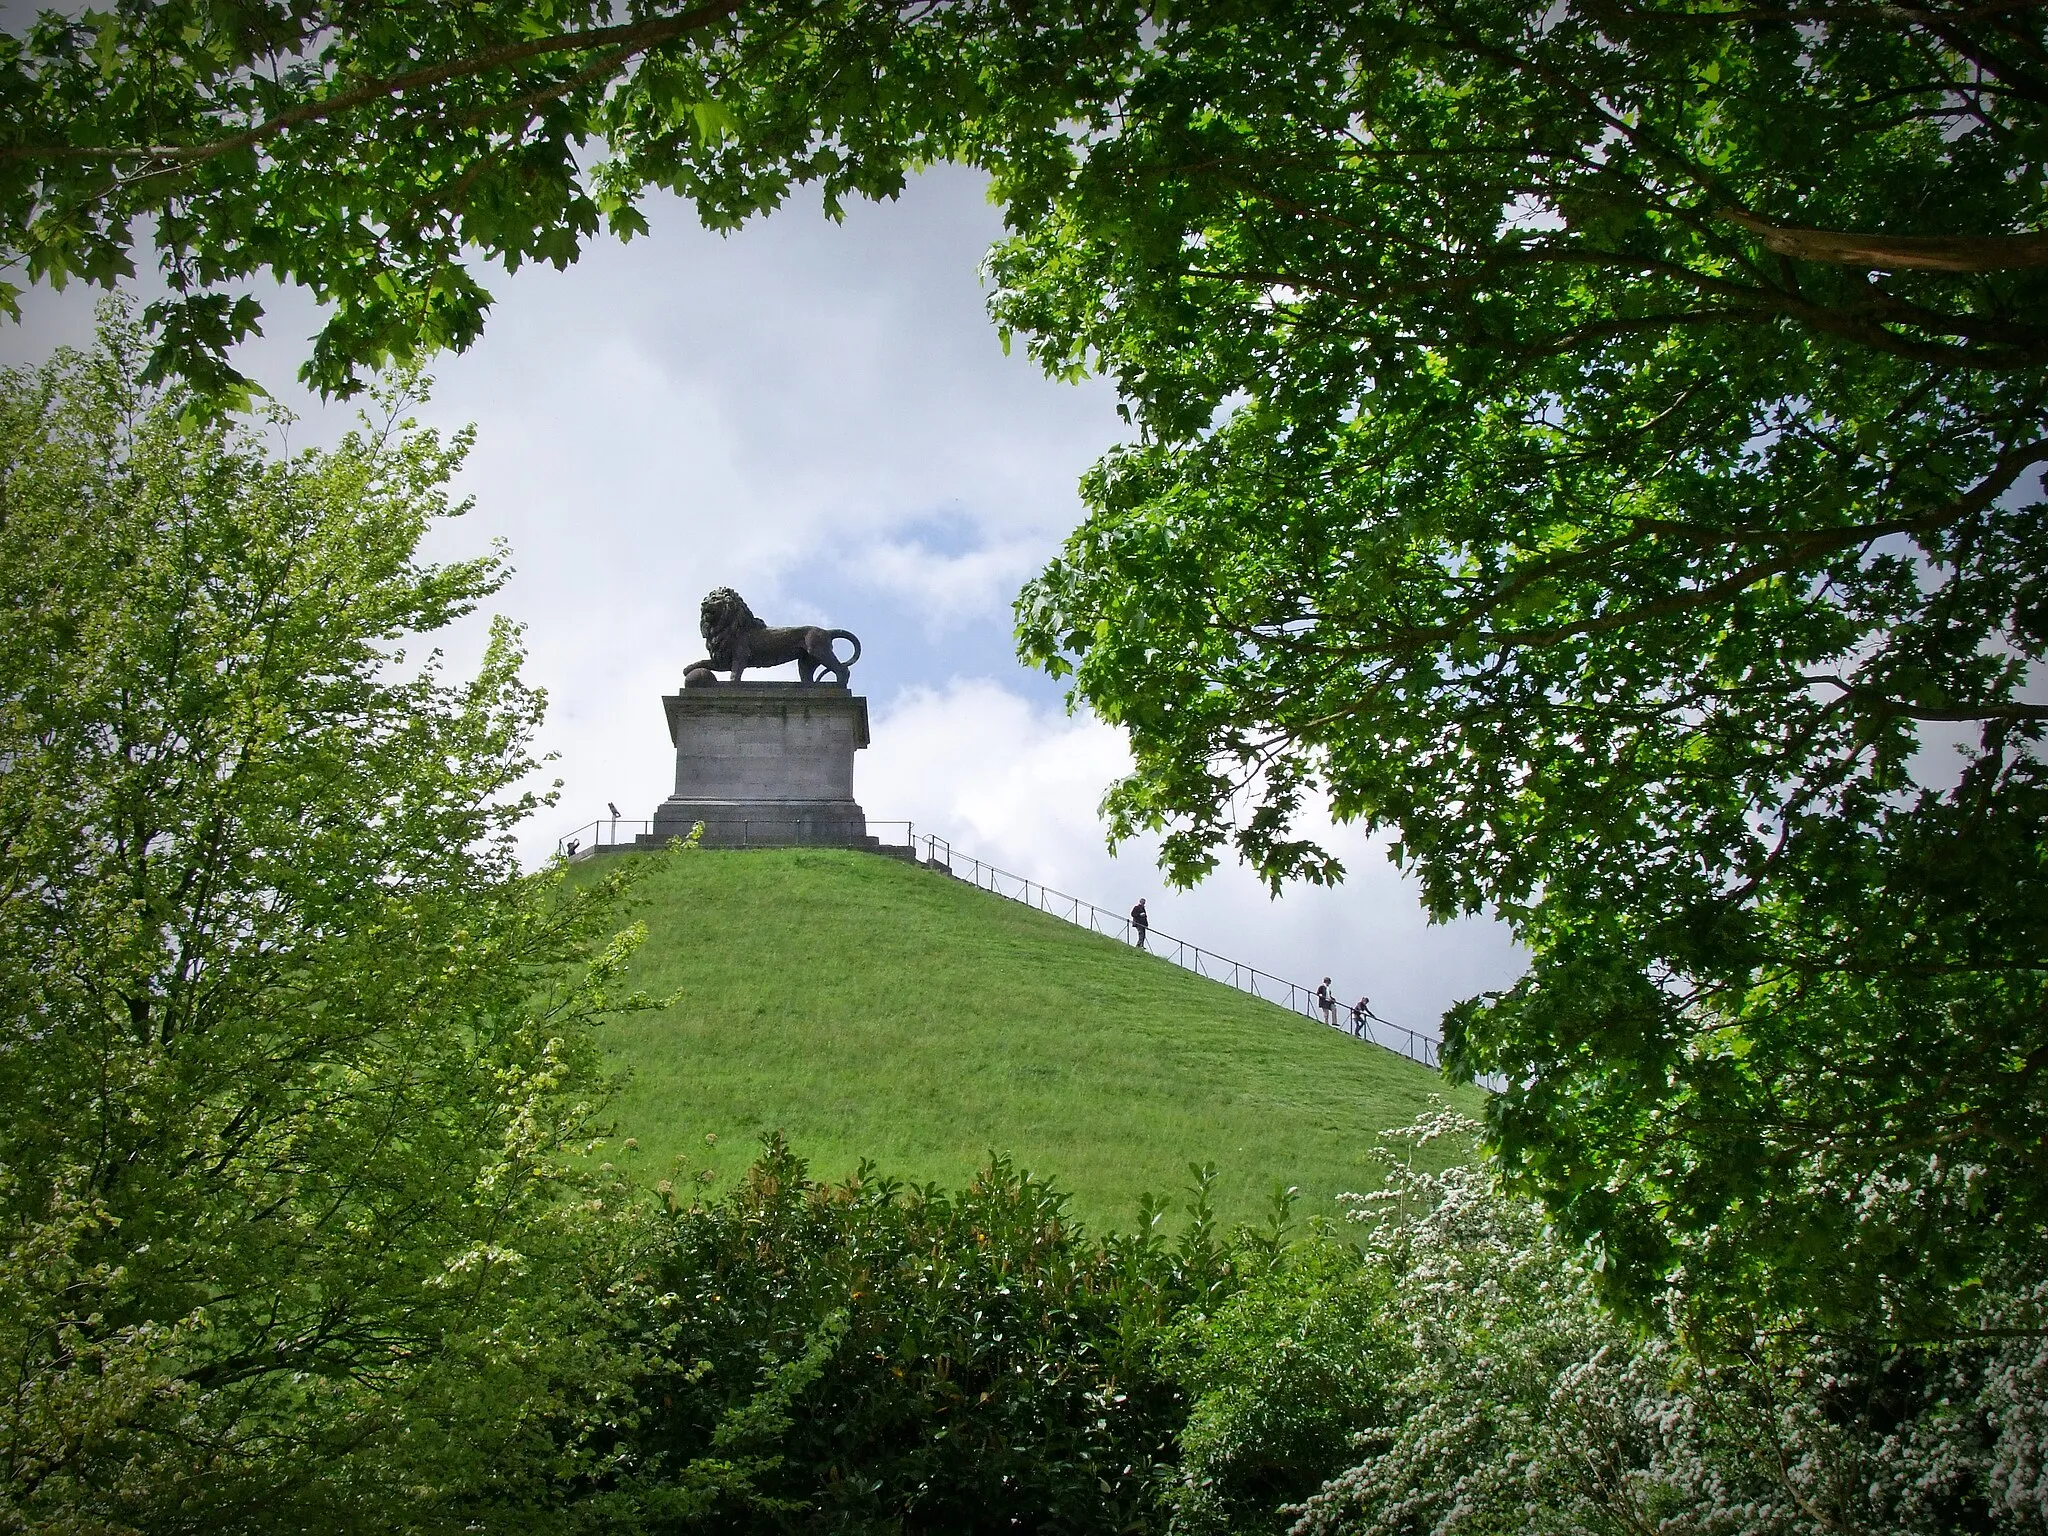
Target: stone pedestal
[765,765]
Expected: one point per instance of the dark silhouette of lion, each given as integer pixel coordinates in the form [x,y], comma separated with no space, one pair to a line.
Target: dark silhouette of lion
[738,641]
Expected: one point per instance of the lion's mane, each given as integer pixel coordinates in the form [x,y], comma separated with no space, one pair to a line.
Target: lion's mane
[722,619]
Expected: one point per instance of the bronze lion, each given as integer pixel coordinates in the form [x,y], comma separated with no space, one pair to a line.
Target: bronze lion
[738,641]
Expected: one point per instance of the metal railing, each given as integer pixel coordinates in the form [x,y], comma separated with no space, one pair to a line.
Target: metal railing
[935,852]
[600,834]
[938,853]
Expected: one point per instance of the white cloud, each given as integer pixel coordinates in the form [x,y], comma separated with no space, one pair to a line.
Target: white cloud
[1010,782]
[947,589]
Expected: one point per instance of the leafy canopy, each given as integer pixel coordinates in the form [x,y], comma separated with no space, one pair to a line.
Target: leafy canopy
[292,1056]
[368,150]
[1601,444]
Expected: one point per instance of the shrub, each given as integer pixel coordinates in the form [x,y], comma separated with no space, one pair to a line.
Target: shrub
[1527,1407]
[873,1356]
[1280,1377]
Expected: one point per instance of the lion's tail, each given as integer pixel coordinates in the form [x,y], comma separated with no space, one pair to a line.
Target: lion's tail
[846,634]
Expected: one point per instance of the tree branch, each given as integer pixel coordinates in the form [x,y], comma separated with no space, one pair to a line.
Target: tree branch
[1896,253]
[1876,699]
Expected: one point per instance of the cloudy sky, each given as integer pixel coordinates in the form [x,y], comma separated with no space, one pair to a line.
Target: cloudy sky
[823,417]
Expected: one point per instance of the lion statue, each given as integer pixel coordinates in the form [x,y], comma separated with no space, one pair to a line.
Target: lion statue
[738,641]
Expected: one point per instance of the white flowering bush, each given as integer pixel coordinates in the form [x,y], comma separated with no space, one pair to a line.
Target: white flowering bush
[1526,1407]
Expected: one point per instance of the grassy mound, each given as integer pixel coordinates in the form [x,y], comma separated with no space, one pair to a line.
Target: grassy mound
[870,1009]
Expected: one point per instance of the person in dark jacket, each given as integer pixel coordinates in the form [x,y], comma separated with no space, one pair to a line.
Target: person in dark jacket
[1140,921]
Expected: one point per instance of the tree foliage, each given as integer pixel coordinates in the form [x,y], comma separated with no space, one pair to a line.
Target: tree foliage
[1601,445]
[369,151]
[291,1055]
[1281,1377]
[871,1356]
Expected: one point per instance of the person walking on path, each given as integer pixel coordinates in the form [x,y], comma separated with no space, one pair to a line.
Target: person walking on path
[1360,1012]
[1327,1001]
[1140,921]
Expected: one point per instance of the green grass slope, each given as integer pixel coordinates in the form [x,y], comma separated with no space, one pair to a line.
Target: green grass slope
[871,1009]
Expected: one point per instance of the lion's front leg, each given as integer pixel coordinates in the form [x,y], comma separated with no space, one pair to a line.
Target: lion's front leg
[740,657]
